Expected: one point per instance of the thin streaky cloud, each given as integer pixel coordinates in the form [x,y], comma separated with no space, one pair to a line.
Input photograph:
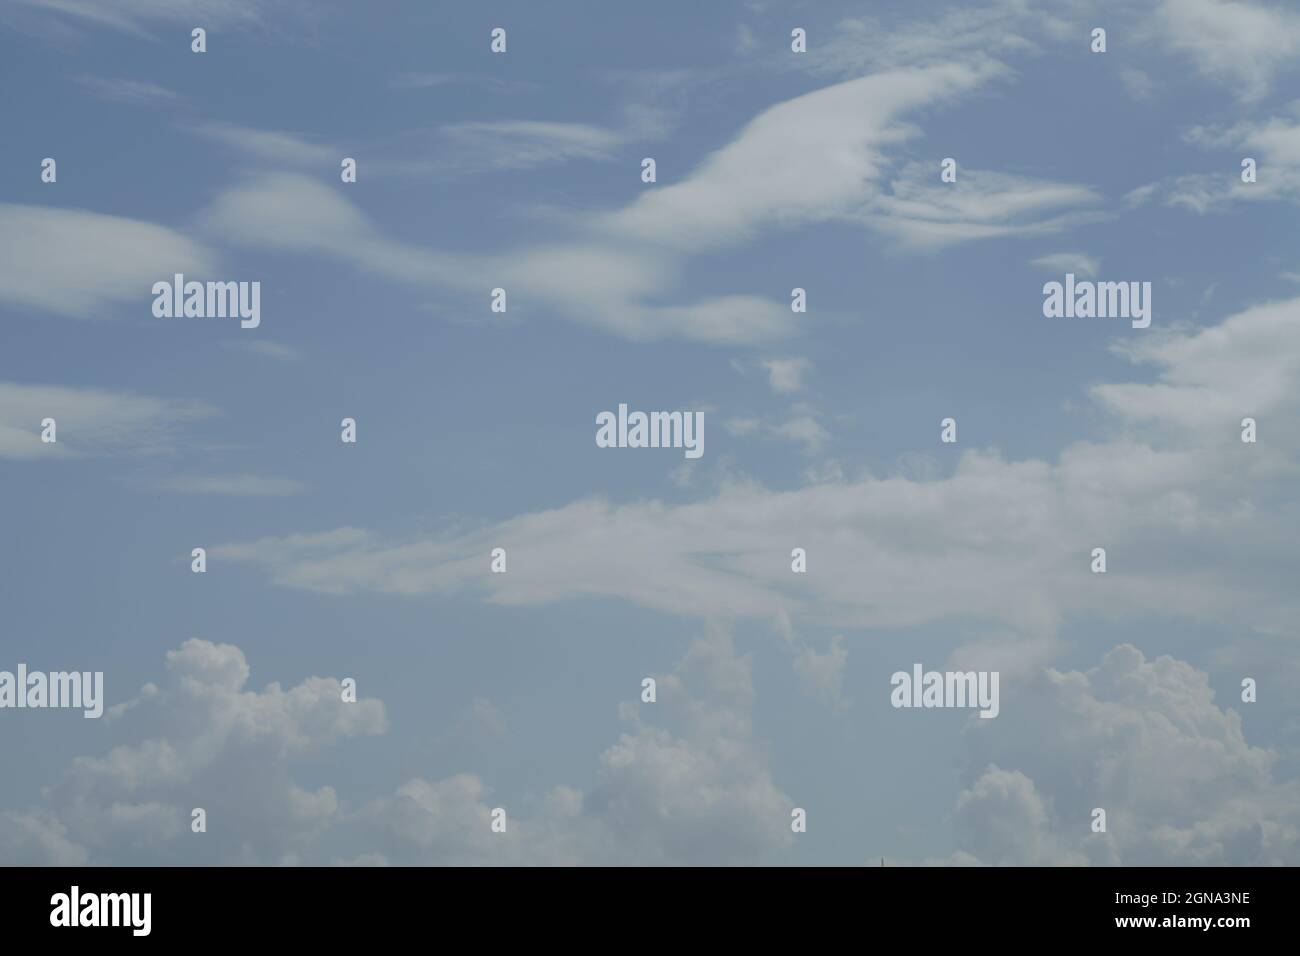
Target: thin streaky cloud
[123,90]
[238,485]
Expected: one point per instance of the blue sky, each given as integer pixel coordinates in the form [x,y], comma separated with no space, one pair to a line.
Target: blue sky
[776,170]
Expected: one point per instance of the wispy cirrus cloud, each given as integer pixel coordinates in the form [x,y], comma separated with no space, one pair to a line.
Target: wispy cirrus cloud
[128,91]
[522,144]
[1273,143]
[239,485]
[268,145]
[928,214]
[1060,262]
[89,421]
[137,16]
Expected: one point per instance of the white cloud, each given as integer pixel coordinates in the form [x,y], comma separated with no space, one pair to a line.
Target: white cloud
[292,212]
[201,740]
[89,421]
[892,553]
[1002,819]
[132,16]
[523,144]
[1274,144]
[898,551]
[968,34]
[929,214]
[697,793]
[1059,263]
[132,92]
[294,546]
[1139,84]
[1246,44]
[242,486]
[823,674]
[276,147]
[101,260]
[804,430]
[786,375]
[470,147]
[37,839]
[798,162]
[1142,739]
[1007,652]
[1247,365]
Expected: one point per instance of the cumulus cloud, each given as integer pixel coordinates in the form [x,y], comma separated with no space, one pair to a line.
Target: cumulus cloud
[37,839]
[823,674]
[200,739]
[1145,741]
[1002,819]
[696,792]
